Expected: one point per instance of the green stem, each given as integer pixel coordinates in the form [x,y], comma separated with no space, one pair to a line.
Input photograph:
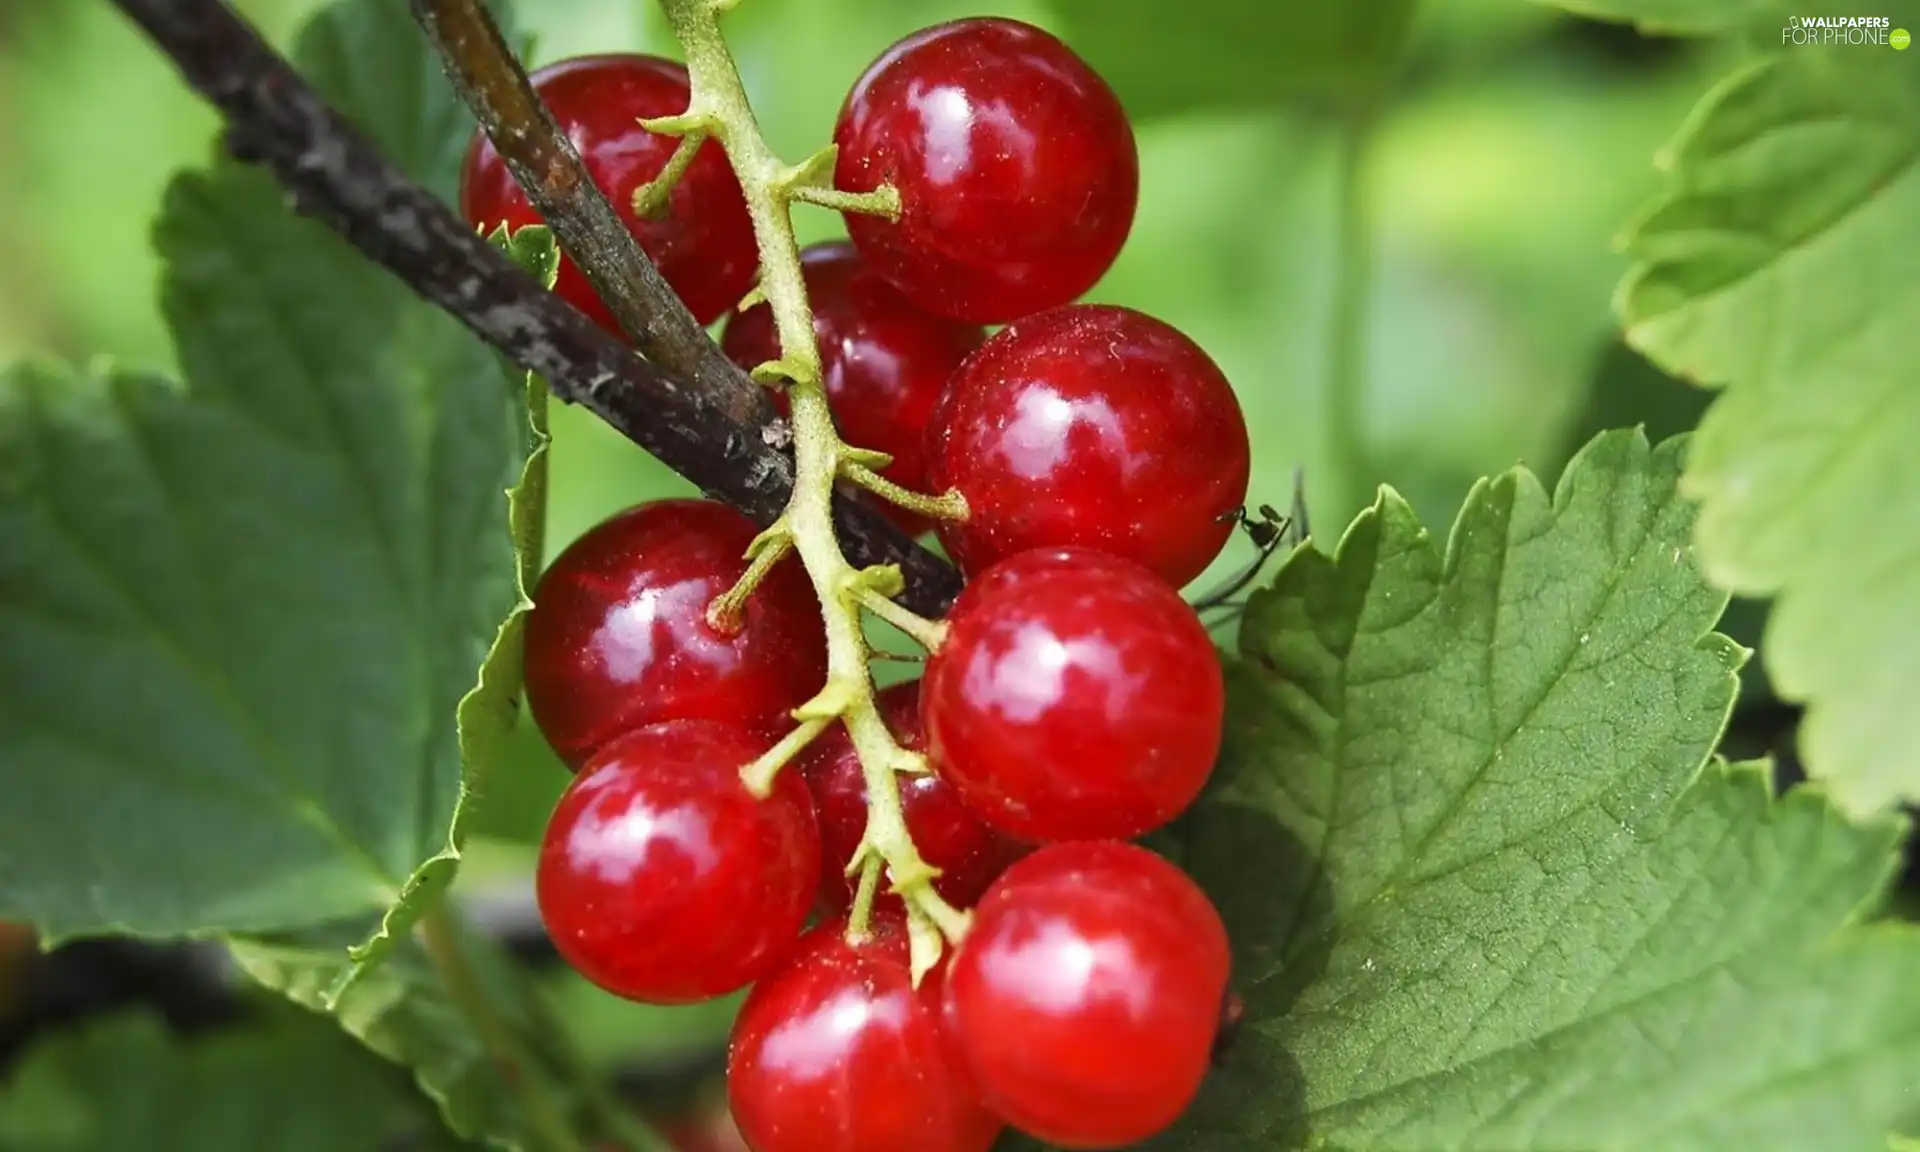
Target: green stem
[720,108]
[768,549]
[650,199]
[947,506]
[1347,354]
[863,893]
[882,201]
[929,634]
[759,775]
[440,937]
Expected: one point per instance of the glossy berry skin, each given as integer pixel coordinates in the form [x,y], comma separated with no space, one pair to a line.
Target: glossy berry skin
[662,879]
[1076,697]
[1087,994]
[968,853]
[1094,426]
[618,636]
[836,1051]
[1016,168]
[883,361]
[704,243]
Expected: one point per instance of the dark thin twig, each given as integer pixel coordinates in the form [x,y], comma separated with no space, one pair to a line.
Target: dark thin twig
[586,225]
[334,175]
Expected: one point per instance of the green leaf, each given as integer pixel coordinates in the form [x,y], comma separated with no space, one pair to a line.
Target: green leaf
[403,1010]
[1164,58]
[122,1084]
[418,1009]
[1628,391]
[1784,264]
[1482,895]
[487,716]
[236,619]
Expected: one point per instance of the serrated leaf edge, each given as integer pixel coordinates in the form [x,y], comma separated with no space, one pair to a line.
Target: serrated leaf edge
[500,671]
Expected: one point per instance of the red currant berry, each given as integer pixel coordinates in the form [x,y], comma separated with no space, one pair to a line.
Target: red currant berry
[1086,995]
[704,243]
[1015,165]
[1094,426]
[619,637]
[1076,697]
[968,853]
[835,1051]
[884,361]
[662,879]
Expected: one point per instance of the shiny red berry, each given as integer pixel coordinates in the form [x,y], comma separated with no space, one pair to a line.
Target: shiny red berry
[1076,697]
[1015,165]
[619,637]
[662,879]
[835,1051]
[1086,995]
[1094,426]
[968,853]
[704,243]
[884,361]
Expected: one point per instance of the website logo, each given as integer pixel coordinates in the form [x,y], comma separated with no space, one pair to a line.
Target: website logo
[1845,31]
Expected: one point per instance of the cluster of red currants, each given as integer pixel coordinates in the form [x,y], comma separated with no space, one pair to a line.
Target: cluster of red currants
[1074,701]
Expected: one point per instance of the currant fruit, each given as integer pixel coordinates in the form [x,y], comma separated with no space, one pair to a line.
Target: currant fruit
[1095,426]
[835,1051]
[703,245]
[619,637]
[1016,168]
[883,361]
[968,853]
[662,879]
[1086,995]
[1076,697]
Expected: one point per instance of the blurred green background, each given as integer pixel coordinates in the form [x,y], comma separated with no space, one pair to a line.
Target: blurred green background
[1507,148]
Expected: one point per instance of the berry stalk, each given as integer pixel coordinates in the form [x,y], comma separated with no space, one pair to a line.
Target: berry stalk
[720,109]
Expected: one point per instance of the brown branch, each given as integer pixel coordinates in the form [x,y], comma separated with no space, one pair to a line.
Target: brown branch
[586,225]
[334,175]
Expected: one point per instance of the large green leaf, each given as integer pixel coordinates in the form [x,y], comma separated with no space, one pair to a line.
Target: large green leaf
[1482,894]
[479,1036]
[488,718]
[122,1084]
[235,620]
[1784,264]
[418,1009]
[1628,391]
